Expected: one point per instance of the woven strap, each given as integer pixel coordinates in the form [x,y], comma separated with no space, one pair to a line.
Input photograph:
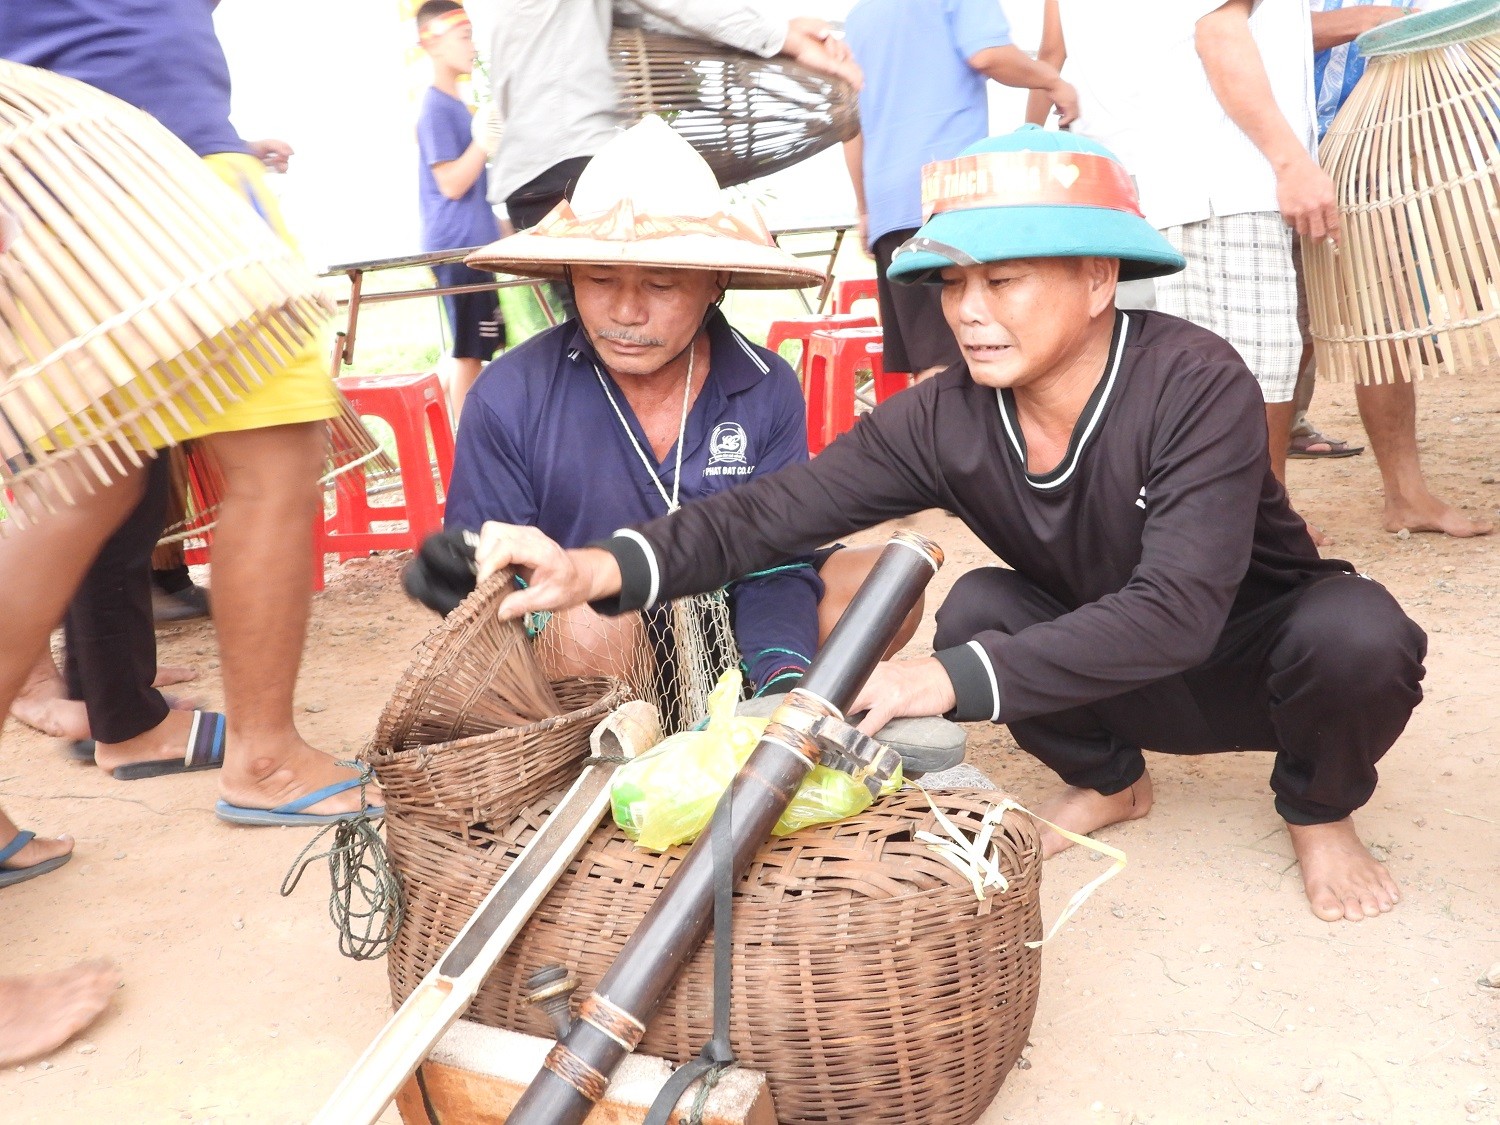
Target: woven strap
[717,1055]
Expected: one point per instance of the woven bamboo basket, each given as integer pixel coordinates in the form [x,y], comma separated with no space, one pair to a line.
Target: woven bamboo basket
[138,276]
[486,778]
[747,116]
[1414,157]
[870,985]
[471,675]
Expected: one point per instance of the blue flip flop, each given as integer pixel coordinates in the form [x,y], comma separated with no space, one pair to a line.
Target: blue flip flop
[205,751]
[9,876]
[291,814]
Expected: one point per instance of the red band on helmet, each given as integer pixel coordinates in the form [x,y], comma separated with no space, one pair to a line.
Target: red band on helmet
[1021,179]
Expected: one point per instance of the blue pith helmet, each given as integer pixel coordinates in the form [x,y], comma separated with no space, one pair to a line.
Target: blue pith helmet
[1031,194]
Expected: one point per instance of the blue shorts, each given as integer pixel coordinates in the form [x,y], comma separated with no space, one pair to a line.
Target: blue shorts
[473,318]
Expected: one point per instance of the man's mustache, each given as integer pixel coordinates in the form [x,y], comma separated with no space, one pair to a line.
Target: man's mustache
[630,338]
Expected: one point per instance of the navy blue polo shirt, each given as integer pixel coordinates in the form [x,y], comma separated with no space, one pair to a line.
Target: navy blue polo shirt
[539,444]
[161,56]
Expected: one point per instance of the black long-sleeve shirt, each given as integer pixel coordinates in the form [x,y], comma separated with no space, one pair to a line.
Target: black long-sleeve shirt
[1162,522]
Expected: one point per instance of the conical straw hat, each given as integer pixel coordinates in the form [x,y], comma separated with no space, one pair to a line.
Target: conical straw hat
[648,199]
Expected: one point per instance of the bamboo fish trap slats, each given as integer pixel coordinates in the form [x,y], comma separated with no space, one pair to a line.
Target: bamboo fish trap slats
[1414,156]
[138,277]
[747,116]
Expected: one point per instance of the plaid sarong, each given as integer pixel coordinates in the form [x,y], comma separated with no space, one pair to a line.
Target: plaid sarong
[1240,283]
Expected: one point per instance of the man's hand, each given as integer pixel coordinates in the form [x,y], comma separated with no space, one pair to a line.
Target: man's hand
[1065,99]
[275,155]
[862,232]
[1306,197]
[814,44]
[556,579]
[900,689]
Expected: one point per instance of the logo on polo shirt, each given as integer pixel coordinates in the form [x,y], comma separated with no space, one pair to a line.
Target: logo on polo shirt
[728,449]
[727,444]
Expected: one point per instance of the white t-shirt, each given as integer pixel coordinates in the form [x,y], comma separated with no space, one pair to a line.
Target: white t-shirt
[1143,94]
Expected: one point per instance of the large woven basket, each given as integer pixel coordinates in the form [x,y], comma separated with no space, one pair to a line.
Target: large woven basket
[870,984]
[747,116]
[138,276]
[1415,159]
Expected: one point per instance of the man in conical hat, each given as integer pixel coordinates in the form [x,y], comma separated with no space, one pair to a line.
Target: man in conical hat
[650,399]
[1158,590]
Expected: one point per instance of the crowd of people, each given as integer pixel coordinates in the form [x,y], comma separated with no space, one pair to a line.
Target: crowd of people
[1106,323]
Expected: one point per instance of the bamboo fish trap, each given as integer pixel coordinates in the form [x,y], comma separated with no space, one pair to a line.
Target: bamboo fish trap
[747,116]
[1414,156]
[142,293]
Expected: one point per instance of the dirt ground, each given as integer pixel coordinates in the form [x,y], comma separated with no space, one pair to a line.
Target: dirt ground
[1196,987]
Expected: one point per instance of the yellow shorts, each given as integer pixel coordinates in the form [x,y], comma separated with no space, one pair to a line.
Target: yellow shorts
[301,391]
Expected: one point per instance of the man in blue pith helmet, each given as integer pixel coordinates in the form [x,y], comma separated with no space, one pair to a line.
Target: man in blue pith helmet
[1158,590]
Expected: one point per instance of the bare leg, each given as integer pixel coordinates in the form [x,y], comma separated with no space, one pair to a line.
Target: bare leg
[1343,880]
[262,596]
[843,574]
[1389,412]
[38,1014]
[41,567]
[1084,810]
[461,378]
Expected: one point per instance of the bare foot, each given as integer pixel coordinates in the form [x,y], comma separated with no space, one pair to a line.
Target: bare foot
[43,703]
[1428,513]
[1319,537]
[1342,878]
[38,1014]
[39,850]
[1086,810]
[165,742]
[267,780]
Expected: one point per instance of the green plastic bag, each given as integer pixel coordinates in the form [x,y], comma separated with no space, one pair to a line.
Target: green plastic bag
[667,796]
[522,311]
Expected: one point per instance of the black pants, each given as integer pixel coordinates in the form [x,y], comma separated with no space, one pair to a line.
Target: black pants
[108,632]
[530,202]
[529,205]
[1325,677]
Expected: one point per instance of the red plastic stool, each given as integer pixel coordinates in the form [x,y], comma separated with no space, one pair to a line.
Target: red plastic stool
[416,409]
[845,293]
[799,328]
[833,361]
[887,383]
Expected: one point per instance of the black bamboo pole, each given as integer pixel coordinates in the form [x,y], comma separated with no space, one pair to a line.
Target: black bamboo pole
[612,1020]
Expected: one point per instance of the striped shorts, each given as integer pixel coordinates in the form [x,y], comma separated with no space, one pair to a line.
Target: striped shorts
[1240,283]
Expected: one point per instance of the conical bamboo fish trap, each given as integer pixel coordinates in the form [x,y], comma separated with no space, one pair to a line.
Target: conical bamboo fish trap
[1414,156]
[747,116]
[138,276]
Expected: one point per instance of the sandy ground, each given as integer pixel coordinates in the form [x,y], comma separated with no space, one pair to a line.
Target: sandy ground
[1197,987]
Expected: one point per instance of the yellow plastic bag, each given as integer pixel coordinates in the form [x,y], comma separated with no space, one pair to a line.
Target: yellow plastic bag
[667,796]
